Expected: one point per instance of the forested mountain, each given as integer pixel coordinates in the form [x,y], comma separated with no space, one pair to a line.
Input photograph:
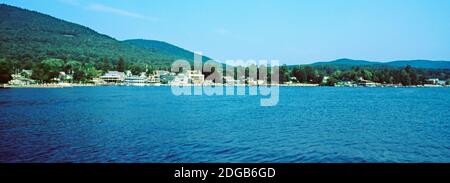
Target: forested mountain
[349,63]
[426,64]
[30,37]
[164,48]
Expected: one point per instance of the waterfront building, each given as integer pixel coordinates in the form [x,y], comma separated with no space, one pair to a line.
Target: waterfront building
[19,80]
[433,81]
[128,73]
[345,83]
[113,77]
[325,79]
[180,79]
[98,81]
[65,77]
[262,82]
[368,83]
[208,82]
[195,77]
[442,82]
[160,72]
[251,81]
[293,79]
[157,75]
[26,73]
[165,79]
[241,80]
[152,79]
[230,80]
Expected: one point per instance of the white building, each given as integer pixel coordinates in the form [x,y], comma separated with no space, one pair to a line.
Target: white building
[136,81]
[180,79]
[113,77]
[196,77]
[325,79]
[64,77]
[433,81]
[18,79]
[251,82]
[261,82]
[441,82]
[230,80]
[156,76]
[98,81]
[128,73]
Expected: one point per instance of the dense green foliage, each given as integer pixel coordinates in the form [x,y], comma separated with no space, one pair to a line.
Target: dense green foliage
[387,75]
[5,71]
[48,69]
[165,48]
[307,74]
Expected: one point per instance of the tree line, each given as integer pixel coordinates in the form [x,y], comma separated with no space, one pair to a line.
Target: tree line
[85,71]
[81,72]
[405,76]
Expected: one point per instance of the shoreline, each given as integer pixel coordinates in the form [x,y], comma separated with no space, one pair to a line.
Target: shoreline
[70,85]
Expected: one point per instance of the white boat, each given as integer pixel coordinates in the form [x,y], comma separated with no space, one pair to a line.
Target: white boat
[136,81]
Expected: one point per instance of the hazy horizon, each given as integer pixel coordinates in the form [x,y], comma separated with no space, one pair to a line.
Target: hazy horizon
[293,32]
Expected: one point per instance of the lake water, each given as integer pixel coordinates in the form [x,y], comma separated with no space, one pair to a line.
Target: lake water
[150,124]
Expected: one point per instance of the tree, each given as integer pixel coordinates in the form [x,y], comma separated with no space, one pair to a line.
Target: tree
[86,72]
[318,78]
[72,66]
[53,66]
[404,78]
[47,69]
[331,81]
[300,74]
[80,75]
[284,74]
[5,71]
[137,68]
[310,75]
[367,74]
[90,71]
[151,69]
[105,65]
[121,65]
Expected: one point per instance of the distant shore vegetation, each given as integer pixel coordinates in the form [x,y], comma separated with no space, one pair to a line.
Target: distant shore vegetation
[330,75]
[85,72]
[81,72]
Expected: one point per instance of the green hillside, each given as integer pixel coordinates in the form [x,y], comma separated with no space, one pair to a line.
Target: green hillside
[349,63]
[30,37]
[164,48]
[421,64]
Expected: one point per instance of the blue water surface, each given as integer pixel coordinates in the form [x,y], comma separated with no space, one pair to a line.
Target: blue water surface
[150,124]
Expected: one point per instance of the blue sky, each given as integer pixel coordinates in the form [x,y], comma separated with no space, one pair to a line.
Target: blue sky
[292,31]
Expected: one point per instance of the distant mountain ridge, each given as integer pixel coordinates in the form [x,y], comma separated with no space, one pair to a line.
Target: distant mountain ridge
[426,64]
